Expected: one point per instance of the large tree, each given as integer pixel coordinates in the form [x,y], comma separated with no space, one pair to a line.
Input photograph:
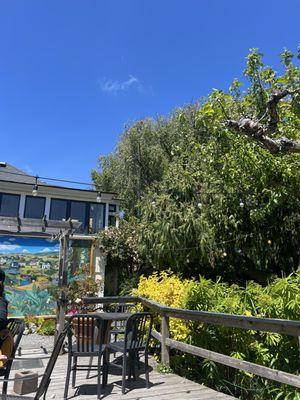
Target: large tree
[201,196]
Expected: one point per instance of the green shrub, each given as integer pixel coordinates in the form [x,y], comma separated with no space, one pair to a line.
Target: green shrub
[279,299]
[47,327]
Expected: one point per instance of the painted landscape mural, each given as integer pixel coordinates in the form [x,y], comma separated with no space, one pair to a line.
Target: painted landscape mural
[31,268]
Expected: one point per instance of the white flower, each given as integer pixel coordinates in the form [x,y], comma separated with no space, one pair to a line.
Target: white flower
[77,301]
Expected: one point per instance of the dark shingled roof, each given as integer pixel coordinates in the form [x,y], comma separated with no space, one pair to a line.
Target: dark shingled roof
[7,173]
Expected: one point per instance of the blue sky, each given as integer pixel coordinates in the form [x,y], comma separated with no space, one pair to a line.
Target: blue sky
[13,244]
[74,72]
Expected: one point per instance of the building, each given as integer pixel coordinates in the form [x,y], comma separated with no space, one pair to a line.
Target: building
[28,197]
[46,265]
[24,196]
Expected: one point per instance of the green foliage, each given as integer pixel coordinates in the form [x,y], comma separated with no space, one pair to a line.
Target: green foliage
[200,199]
[128,285]
[40,325]
[164,369]
[81,284]
[279,299]
[46,326]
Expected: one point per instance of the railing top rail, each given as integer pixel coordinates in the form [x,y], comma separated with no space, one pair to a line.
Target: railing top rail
[283,326]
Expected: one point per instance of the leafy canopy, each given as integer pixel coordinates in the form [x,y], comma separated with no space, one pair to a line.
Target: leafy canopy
[199,198]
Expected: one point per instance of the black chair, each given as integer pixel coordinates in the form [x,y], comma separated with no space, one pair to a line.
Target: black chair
[136,341]
[16,327]
[46,379]
[118,327]
[88,330]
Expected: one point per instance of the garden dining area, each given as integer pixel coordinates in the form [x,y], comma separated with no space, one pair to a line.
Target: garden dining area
[103,352]
[110,347]
[107,351]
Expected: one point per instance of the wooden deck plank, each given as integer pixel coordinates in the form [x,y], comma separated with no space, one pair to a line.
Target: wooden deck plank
[163,386]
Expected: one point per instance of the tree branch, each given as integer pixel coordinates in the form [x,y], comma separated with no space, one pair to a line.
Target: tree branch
[259,132]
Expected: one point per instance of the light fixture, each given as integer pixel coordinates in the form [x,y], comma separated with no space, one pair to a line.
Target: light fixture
[98,198]
[35,187]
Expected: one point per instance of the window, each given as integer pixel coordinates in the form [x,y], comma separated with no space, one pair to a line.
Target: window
[112,220]
[9,205]
[96,220]
[34,207]
[91,215]
[58,209]
[78,212]
[112,208]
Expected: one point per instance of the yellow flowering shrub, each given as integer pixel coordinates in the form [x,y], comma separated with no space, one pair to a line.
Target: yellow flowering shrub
[279,299]
[168,289]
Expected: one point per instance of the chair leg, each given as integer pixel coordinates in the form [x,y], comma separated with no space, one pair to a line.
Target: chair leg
[74,370]
[132,365]
[124,372]
[105,367]
[89,368]
[68,377]
[147,370]
[5,383]
[99,378]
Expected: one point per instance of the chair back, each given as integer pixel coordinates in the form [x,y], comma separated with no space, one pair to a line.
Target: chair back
[123,308]
[45,381]
[88,330]
[16,327]
[138,331]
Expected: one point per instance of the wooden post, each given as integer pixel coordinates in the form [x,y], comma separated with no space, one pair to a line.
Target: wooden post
[165,333]
[62,284]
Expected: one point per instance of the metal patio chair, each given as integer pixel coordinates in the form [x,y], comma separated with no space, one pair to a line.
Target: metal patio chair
[46,377]
[87,330]
[16,327]
[118,327]
[136,340]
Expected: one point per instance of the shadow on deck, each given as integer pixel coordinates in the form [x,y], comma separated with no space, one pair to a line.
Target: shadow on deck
[163,386]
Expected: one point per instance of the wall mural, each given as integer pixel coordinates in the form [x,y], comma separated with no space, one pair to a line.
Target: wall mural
[31,268]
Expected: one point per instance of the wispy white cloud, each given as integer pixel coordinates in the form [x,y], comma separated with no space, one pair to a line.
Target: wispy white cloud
[6,247]
[114,86]
[47,250]
[25,251]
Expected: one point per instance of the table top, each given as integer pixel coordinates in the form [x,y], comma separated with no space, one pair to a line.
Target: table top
[114,316]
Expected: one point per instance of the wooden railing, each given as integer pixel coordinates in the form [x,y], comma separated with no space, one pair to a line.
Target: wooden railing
[282,326]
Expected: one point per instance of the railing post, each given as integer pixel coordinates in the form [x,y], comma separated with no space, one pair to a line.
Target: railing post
[165,333]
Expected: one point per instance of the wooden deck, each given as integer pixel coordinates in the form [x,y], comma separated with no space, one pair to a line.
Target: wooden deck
[163,386]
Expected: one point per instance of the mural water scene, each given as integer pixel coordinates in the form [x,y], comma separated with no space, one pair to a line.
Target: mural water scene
[31,268]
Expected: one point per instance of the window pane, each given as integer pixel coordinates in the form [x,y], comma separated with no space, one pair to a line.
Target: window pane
[35,207]
[9,205]
[58,209]
[96,217]
[112,220]
[77,211]
[112,208]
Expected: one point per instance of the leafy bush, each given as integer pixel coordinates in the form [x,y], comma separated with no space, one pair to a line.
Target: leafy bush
[47,327]
[279,299]
[202,199]
[39,325]
[81,284]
